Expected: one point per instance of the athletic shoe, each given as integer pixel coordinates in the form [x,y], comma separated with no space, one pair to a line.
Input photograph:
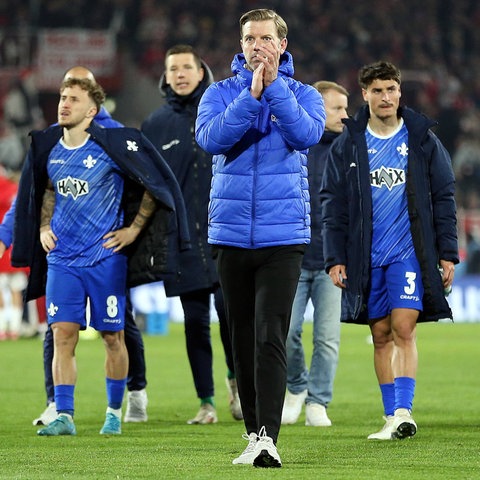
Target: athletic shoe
[386,432]
[112,425]
[137,402]
[206,414]
[62,425]
[265,453]
[47,416]
[248,455]
[292,407]
[234,399]
[316,416]
[403,424]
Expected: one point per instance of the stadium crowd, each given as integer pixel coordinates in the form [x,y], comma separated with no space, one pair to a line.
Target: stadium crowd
[435,46]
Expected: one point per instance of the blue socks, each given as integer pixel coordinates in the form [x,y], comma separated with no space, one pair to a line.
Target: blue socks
[64,398]
[115,392]
[404,392]
[388,398]
[398,394]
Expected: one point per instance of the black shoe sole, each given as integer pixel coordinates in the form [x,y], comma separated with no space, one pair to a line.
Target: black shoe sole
[265,460]
[405,430]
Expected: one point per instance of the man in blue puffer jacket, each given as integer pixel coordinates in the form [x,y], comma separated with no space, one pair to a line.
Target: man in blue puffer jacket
[259,125]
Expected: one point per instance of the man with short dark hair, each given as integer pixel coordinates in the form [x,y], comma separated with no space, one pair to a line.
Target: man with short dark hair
[390,239]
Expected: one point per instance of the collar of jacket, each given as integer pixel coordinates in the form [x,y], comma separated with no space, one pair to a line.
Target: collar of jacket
[417,123]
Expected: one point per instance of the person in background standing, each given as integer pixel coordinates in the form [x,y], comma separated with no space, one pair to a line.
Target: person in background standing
[258,124]
[314,387]
[171,129]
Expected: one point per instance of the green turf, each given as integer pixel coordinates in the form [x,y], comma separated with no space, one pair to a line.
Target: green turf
[446,409]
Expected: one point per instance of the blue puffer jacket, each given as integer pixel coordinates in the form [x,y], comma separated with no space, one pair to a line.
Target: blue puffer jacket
[347,212]
[259,195]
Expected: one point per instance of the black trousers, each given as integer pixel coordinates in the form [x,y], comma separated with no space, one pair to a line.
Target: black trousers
[259,287]
[196,309]
[136,355]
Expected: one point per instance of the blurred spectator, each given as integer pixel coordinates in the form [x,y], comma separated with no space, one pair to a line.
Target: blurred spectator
[11,148]
[12,280]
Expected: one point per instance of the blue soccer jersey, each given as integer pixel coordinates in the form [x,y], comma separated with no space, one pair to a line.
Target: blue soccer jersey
[388,156]
[88,191]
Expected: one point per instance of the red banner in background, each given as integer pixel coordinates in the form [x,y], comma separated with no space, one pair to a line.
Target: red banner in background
[61,49]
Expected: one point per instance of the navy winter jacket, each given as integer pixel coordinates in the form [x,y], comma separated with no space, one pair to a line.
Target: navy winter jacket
[259,195]
[347,212]
[152,255]
[171,129]
[317,158]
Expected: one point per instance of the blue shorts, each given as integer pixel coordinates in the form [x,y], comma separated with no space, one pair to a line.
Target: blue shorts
[103,284]
[398,285]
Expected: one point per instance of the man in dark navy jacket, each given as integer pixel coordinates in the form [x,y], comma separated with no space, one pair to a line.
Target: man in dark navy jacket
[390,238]
[171,129]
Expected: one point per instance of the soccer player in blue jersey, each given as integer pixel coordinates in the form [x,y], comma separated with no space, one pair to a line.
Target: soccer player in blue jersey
[82,232]
[72,191]
[390,240]
[137,400]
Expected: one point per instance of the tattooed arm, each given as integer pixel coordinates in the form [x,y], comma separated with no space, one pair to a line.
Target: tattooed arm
[47,237]
[127,235]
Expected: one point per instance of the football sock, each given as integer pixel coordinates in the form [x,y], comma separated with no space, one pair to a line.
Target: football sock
[115,392]
[64,397]
[404,392]
[209,400]
[388,398]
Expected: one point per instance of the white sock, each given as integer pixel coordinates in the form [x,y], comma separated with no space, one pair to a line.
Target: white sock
[116,411]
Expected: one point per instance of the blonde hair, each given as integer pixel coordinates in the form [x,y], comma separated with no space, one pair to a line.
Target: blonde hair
[262,14]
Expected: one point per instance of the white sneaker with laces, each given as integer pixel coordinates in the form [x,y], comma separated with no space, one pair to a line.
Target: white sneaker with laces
[404,425]
[386,432]
[265,453]
[206,414]
[292,407]
[234,399]
[248,455]
[47,416]
[137,402]
[316,416]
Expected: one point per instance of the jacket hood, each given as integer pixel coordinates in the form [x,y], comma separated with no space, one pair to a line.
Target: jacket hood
[285,68]
[182,100]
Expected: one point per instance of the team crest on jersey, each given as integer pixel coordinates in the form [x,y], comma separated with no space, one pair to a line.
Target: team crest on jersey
[132,145]
[389,177]
[89,162]
[403,149]
[72,186]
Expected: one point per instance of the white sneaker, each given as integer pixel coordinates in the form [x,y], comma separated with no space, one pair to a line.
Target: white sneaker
[234,399]
[292,407]
[265,453]
[386,432]
[316,416]
[248,455]
[47,416]
[137,402]
[404,425]
[206,414]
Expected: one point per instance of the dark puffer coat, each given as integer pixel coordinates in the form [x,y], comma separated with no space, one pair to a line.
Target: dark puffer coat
[347,212]
[171,128]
